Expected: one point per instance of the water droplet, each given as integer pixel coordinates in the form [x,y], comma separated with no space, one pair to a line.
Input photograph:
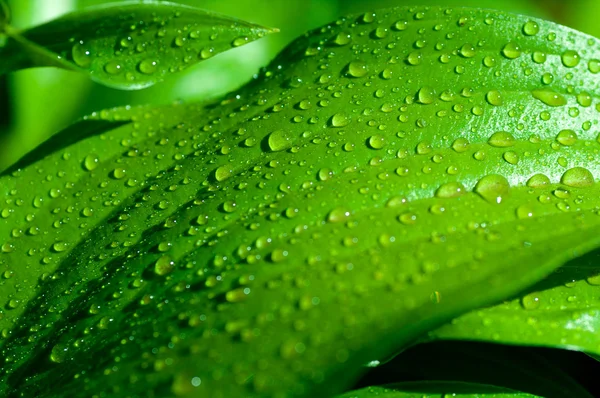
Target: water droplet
[414,58]
[538,57]
[531,28]
[240,41]
[511,157]
[512,50]
[570,58]
[538,181]
[566,137]
[59,353]
[577,177]
[594,65]
[81,55]
[376,141]
[113,68]
[229,206]
[493,188]
[494,97]
[501,139]
[119,173]
[60,246]
[467,51]
[450,190]
[530,301]
[524,211]
[237,295]
[90,162]
[460,145]
[338,214]
[549,97]
[224,172]
[164,266]
[340,120]
[342,38]
[357,69]
[148,66]
[584,99]
[426,95]
[279,140]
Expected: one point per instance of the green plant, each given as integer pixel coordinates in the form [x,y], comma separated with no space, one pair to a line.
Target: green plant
[388,179]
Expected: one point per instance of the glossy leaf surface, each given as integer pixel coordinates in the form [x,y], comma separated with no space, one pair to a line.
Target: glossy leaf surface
[128,45]
[385,174]
[435,390]
[563,311]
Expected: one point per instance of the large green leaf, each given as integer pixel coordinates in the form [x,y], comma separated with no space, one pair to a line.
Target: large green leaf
[127,45]
[563,311]
[385,174]
[435,389]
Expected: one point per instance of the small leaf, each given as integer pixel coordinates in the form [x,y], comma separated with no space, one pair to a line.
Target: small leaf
[561,311]
[129,45]
[435,389]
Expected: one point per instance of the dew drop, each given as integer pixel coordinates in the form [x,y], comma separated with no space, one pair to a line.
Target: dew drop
[570,58]
[90,162]
[460,145]
[237,295]
[549,97]
[450,190]
[467,51]
[81,55]
[530,301]
[494,97]
[163,266]
[501,139]
[376,141]
[538,181]
[60,246]
[338,214]
[577,177]
[357,68]
[524,211]
[342,38]
[279,140]
[340,120]
[414,58]
[512,50]
[119,173]
[426,95]
[113,68]
[531,28]
[224,172]
[493,188]
[148,66]
[566,137]
[59,353]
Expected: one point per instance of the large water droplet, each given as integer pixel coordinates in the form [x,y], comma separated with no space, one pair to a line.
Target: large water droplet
[566,137]
[549,97]
[81,54]
[501,139]
[577,177]
[426,95]
[279,140]
[493,188]
[450,190]
[512,50]
[357,68]
[570,58]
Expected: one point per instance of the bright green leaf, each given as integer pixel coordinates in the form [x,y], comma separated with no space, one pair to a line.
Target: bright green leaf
[128,45]
[562,311]
[384,175]
[435,389]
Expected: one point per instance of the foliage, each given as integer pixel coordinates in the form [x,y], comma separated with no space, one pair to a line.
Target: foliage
[391,178]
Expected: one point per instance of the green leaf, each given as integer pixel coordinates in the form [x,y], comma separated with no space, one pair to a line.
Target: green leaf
[435,389]
[128,45]
[562,311]
[383,175]
[536,371]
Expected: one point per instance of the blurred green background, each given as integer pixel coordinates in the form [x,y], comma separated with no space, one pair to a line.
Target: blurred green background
[36,103]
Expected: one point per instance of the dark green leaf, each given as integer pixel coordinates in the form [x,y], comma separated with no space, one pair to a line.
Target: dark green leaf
[385,174]
[435,389]
[536,371]
[129,45]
